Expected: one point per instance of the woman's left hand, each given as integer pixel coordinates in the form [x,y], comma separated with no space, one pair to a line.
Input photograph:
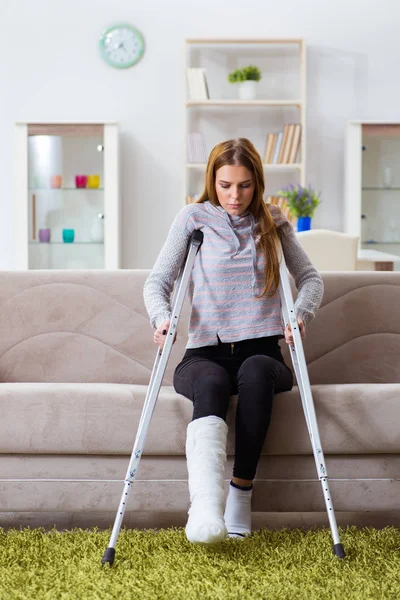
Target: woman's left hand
[289,334]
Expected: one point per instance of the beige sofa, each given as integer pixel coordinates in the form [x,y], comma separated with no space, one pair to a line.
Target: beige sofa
[76,353]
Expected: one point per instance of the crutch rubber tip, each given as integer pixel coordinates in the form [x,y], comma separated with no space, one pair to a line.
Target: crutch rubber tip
[108,557]
[339,550]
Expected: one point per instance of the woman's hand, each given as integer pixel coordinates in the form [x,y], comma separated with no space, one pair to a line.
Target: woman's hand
[160,334]
[289,334]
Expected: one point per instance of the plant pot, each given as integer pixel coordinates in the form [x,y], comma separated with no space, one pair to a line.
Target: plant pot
[303,223]
[248,89]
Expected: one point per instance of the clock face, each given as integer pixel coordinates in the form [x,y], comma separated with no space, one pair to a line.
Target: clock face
[121,46]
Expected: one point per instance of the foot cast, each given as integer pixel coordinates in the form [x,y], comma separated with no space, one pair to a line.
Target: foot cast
[206,461]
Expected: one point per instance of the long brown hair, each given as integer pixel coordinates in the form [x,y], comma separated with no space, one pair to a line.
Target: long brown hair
[242,152]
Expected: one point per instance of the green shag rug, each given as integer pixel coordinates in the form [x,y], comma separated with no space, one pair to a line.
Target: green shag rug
[286,564]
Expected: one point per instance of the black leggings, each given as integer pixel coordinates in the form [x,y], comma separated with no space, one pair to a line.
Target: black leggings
[253,369]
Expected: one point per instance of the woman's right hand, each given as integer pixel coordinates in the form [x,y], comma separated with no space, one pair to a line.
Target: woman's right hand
[159,336]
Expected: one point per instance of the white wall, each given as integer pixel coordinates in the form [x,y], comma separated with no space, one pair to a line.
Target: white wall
[50,70]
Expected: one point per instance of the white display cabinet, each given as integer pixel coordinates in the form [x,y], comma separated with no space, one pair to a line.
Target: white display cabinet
[372,190]
[67,206]
[281,99]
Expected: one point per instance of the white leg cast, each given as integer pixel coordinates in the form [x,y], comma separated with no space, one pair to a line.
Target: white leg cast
[206,460]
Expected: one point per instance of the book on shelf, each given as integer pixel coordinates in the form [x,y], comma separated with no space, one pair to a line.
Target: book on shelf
[196,148]
[272,147]
[289,144]
[269,147]
[289,139]
[282,147]
[294,148]
[284,143]
[197,84]
[278,146]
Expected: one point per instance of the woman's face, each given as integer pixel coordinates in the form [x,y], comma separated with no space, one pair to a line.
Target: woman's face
[234,185]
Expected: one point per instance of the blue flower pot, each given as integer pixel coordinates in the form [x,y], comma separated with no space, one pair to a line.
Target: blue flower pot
[303,223]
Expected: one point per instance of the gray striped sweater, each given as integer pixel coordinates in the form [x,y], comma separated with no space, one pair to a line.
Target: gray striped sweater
[228,275]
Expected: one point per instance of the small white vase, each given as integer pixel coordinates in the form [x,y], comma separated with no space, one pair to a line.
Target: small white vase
[247,89]
[97,229]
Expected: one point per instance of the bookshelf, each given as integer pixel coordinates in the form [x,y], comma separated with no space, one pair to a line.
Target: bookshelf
[221,115]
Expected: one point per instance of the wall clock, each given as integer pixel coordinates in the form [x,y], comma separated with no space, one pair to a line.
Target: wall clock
[121,46]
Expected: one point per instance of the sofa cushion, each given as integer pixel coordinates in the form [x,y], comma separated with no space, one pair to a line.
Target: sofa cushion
[78,327]
[92,327]
[72,418]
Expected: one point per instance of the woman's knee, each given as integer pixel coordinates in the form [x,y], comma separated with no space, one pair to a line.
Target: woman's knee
[202,379]
[262,369]
[211,396]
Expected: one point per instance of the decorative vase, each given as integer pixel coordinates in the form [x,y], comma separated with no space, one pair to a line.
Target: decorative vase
[56,181]
[248,89]
[44,235]
[68,235]
[97,229]
[303,223]
[80,181]
[93,181]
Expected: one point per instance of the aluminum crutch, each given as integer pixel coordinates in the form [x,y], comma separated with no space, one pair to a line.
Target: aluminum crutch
[153,389]
[303,382]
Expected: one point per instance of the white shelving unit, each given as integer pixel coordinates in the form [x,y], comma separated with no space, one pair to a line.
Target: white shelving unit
[47,151]
[372,194]
[281,99]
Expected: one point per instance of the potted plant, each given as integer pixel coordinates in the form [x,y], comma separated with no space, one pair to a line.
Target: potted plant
[247,78]
[302,202]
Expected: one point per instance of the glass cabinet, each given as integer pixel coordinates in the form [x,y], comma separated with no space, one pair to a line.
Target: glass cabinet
[372,189]
[66,196]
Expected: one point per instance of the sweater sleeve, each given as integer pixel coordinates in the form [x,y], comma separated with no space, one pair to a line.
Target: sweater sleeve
[308,281]
[160,282]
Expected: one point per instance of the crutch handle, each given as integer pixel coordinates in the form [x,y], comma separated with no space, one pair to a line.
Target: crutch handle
[197,237]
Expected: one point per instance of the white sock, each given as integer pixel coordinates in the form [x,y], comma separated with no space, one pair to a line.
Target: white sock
[238,512]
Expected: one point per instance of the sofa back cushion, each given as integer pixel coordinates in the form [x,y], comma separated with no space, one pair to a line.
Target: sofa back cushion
[355,336]
[92,326]
[74,326]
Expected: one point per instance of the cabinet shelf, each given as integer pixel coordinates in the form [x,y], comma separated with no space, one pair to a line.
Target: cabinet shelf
[267,166]
[372,244]
[380,189]
[65,243]
[190,103]
[73,189]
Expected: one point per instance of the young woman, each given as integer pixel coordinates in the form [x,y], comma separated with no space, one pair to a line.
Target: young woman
[235,326]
